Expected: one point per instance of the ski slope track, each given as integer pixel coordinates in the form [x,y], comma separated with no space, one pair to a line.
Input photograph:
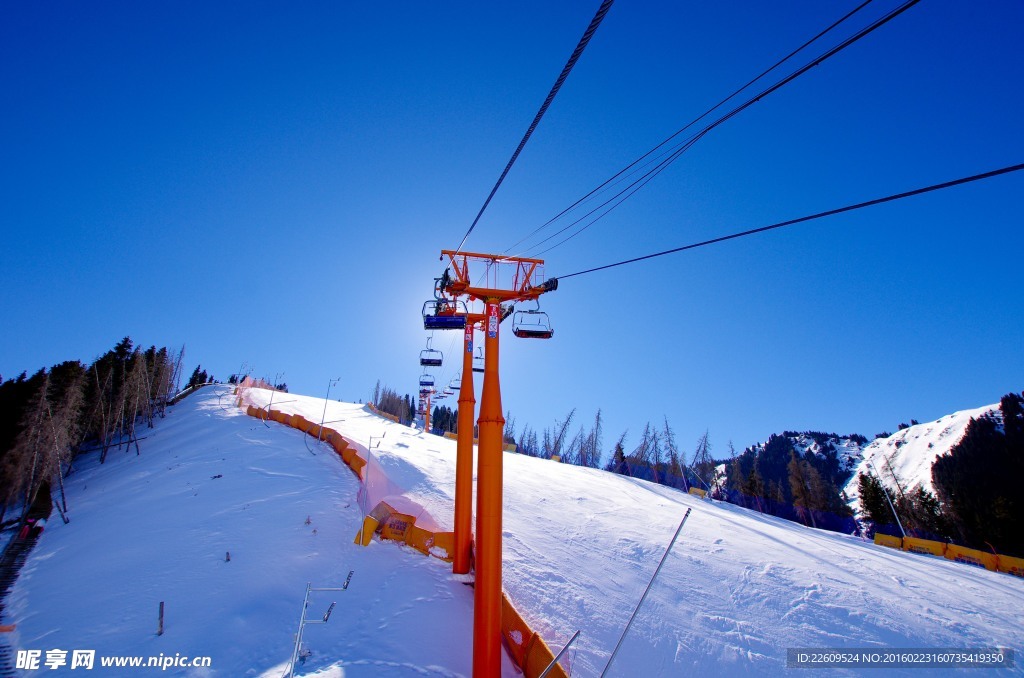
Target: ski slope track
[580,546]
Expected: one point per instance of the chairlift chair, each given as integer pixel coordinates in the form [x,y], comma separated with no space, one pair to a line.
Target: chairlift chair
[430,357]
[532,324]
[426,380]
[444,314]
[478,360]
[456,383]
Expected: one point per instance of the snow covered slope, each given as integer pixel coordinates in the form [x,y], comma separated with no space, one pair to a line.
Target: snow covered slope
[907,456]
[158,527]
[580,545]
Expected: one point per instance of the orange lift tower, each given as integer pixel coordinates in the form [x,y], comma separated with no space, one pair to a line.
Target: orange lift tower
[442,313]
[464,451]
[505,279]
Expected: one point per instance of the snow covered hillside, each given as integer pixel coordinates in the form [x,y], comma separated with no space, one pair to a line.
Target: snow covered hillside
[907,456]
[580,545]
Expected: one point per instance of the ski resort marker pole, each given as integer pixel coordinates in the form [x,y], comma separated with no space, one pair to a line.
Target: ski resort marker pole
[646,591]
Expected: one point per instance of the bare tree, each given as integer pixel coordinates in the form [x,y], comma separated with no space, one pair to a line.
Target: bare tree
[676,465]
[590,446]
[560,431]
[703,465]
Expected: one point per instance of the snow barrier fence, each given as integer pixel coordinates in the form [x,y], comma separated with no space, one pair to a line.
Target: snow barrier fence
[961,554]
[387,512]
[527,648]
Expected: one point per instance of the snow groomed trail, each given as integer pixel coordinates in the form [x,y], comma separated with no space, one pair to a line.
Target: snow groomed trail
[580,545]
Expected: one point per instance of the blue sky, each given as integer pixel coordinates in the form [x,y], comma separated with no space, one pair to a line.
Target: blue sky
[272,185]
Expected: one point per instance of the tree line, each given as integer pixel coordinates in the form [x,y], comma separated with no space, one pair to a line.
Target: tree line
[387,400]
[48,419]
[778,479]
[977,500]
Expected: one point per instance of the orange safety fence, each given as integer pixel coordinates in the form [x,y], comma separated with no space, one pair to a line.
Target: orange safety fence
[373,408]
[388,512]
[527,649]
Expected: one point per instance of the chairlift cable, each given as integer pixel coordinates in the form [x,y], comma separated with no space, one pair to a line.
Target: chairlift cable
[819,215]
[587,35]
[683,146]
[693,122]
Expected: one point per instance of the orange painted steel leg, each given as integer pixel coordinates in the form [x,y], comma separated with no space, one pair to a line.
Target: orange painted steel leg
[487,590]
[426,416]
[464,460]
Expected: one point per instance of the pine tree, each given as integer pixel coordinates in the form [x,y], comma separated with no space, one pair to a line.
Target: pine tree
[978,481]
[800,479]
[873,502]
[617,464]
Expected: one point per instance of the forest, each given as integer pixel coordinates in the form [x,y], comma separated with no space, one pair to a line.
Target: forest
[51,417]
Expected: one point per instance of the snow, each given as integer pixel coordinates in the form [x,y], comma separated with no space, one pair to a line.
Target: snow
[908,455]
[580,546]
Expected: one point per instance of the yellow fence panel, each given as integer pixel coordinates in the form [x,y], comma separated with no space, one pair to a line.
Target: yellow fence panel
[887,540]
[365,535]
[1010,565]
[528,650]
[697,492]
[926,546]
[962,554]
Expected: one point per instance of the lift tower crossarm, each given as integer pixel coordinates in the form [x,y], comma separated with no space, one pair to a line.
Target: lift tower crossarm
[523,286]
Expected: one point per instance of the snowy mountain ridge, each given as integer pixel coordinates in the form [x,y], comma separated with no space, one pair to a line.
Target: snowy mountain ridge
[848,449]
[904,460]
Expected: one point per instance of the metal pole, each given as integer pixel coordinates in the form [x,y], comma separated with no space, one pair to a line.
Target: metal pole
[273,388]
[487,588]
[320,430]
[426,413]
[298,636]
[646,591]
[559,655]
[886,492]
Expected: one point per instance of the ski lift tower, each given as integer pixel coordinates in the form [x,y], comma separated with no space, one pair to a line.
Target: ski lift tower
[503,279]
[464,451]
